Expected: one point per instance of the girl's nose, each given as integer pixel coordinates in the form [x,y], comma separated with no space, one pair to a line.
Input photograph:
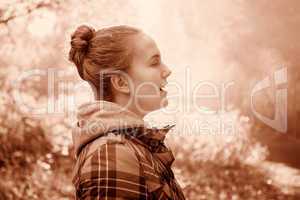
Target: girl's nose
[166,72]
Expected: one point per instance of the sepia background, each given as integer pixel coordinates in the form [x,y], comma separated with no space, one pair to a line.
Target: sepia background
[237,43]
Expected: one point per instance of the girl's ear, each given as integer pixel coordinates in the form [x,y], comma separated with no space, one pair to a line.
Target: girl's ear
[120,83]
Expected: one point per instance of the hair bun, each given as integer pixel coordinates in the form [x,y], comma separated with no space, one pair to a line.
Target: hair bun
[79,45]
[81,37]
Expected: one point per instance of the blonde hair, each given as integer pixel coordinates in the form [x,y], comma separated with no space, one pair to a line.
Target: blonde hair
[95,51]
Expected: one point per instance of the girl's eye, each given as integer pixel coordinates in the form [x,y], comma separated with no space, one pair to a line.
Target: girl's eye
[155,62]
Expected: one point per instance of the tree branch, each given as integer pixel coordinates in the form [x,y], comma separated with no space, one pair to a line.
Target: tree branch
[29,9]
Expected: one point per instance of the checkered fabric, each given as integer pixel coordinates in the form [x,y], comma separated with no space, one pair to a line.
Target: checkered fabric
[117,157]
[127,165]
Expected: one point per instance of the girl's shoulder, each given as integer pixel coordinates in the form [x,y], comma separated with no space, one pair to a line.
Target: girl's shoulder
[106,162]
[116,158]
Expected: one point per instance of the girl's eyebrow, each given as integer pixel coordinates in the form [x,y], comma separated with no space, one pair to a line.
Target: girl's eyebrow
[155,56]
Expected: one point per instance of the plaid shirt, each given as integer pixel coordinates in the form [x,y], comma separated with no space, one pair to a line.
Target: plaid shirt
[126,164]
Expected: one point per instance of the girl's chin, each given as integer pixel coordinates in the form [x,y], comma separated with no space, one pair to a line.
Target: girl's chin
[164,102]
[150,106]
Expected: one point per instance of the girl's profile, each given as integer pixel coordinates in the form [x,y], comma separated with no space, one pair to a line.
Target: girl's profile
[117,155]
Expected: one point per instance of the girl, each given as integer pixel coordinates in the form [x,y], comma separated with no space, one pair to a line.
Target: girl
[118,157]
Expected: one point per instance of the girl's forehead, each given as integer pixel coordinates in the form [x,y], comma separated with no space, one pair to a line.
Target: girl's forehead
[144,46]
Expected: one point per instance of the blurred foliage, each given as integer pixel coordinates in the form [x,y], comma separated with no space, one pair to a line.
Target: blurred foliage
[227,166]
[31,164]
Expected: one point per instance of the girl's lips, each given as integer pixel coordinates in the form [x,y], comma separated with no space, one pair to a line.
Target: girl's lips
[163,87]
[163,92]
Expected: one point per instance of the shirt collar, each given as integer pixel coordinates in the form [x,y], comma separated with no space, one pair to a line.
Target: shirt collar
[97,118]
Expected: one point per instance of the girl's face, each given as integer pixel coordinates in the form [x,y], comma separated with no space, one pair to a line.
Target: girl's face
[148,75]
